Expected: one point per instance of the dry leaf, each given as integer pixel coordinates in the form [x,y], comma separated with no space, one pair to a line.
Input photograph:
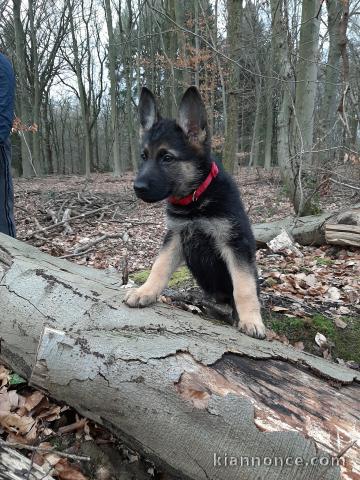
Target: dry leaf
[14,423]
[33,400]
[299,346]
[279,309]
[14,438]
[327,354]
[52,414]
[320,339]
[193,309]
[66,471]
[52,458]
[4,376]
[5,405]
[342,310]
[340,323]
[333,294]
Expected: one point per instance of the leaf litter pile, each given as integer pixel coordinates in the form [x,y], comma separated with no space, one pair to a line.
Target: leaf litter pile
[310,297]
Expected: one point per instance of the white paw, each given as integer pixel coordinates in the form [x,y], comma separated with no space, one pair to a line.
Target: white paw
[139,297]
[252,325]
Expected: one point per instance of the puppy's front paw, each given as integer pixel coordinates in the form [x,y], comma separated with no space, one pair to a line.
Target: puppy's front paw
[252,325]
[139,297]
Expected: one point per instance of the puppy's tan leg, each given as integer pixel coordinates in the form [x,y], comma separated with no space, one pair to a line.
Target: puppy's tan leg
[245,296]
[167,262]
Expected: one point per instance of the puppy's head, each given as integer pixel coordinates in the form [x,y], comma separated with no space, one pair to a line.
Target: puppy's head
[175,155]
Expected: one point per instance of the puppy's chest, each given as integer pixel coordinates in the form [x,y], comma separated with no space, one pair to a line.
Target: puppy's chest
[200,230]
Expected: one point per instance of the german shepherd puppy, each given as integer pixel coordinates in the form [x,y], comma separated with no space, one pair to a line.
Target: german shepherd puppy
[207,224]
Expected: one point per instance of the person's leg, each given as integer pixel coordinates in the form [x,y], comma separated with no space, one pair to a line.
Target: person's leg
[7,222]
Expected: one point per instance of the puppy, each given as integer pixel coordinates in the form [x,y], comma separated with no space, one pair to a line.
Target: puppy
[208,228]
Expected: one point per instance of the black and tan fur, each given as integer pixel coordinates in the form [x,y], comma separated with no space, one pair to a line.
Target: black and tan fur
[211,235]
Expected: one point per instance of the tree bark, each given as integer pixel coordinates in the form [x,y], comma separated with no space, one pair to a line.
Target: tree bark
[303,113]
[272,69]
[25,109]
[118,167]
[235,11]
[279,17]
[184,391]
[330,99]
[36,93]
[84,101]
[257,136]
[339,228]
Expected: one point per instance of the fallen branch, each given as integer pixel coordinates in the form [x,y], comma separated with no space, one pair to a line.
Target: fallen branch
[68,220]
[345,184]
[33,448]
[15,466]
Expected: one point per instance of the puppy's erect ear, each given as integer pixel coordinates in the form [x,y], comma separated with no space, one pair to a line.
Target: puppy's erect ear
[192,116]
[148,110]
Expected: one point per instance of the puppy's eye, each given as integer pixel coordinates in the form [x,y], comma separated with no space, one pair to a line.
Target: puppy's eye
[143,156]
[167,158]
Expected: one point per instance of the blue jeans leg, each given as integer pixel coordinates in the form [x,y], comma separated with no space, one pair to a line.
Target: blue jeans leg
[7,222]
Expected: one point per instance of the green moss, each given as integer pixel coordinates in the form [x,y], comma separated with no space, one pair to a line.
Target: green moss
[346,341]
[323,325]
[140,277]
[291,325]
[56,443]
[315,209]
[324,261]
[181,277]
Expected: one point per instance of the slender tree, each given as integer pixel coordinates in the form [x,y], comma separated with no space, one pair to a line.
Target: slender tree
[235,11]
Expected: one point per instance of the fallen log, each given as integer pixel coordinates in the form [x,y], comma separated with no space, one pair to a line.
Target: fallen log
[315,229]
[340,234]
[198,398]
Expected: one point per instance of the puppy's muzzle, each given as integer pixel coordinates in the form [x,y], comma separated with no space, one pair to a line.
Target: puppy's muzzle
[142,188]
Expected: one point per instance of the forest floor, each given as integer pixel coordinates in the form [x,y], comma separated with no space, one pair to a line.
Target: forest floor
[310,299]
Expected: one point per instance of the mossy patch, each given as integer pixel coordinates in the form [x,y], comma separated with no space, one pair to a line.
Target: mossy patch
[346,340]
[181,277]
[140,277]
[324,261]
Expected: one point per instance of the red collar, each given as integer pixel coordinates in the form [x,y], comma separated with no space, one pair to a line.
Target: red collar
[193,197]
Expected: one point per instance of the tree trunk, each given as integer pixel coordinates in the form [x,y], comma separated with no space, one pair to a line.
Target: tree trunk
[22,89]
[84,103]
[118,169]
[257,138]
[36,94]
[303,114]
[330,99]
[273,70]
[235,11]
[279,10]
[48,139]
[190,394]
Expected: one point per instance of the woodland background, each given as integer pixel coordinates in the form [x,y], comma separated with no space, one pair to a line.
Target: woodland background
[280,78]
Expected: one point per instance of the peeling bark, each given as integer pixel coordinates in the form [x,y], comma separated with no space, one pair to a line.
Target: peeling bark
[186,392]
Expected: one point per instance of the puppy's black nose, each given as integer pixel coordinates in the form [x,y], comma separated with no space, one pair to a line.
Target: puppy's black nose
[141,187]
